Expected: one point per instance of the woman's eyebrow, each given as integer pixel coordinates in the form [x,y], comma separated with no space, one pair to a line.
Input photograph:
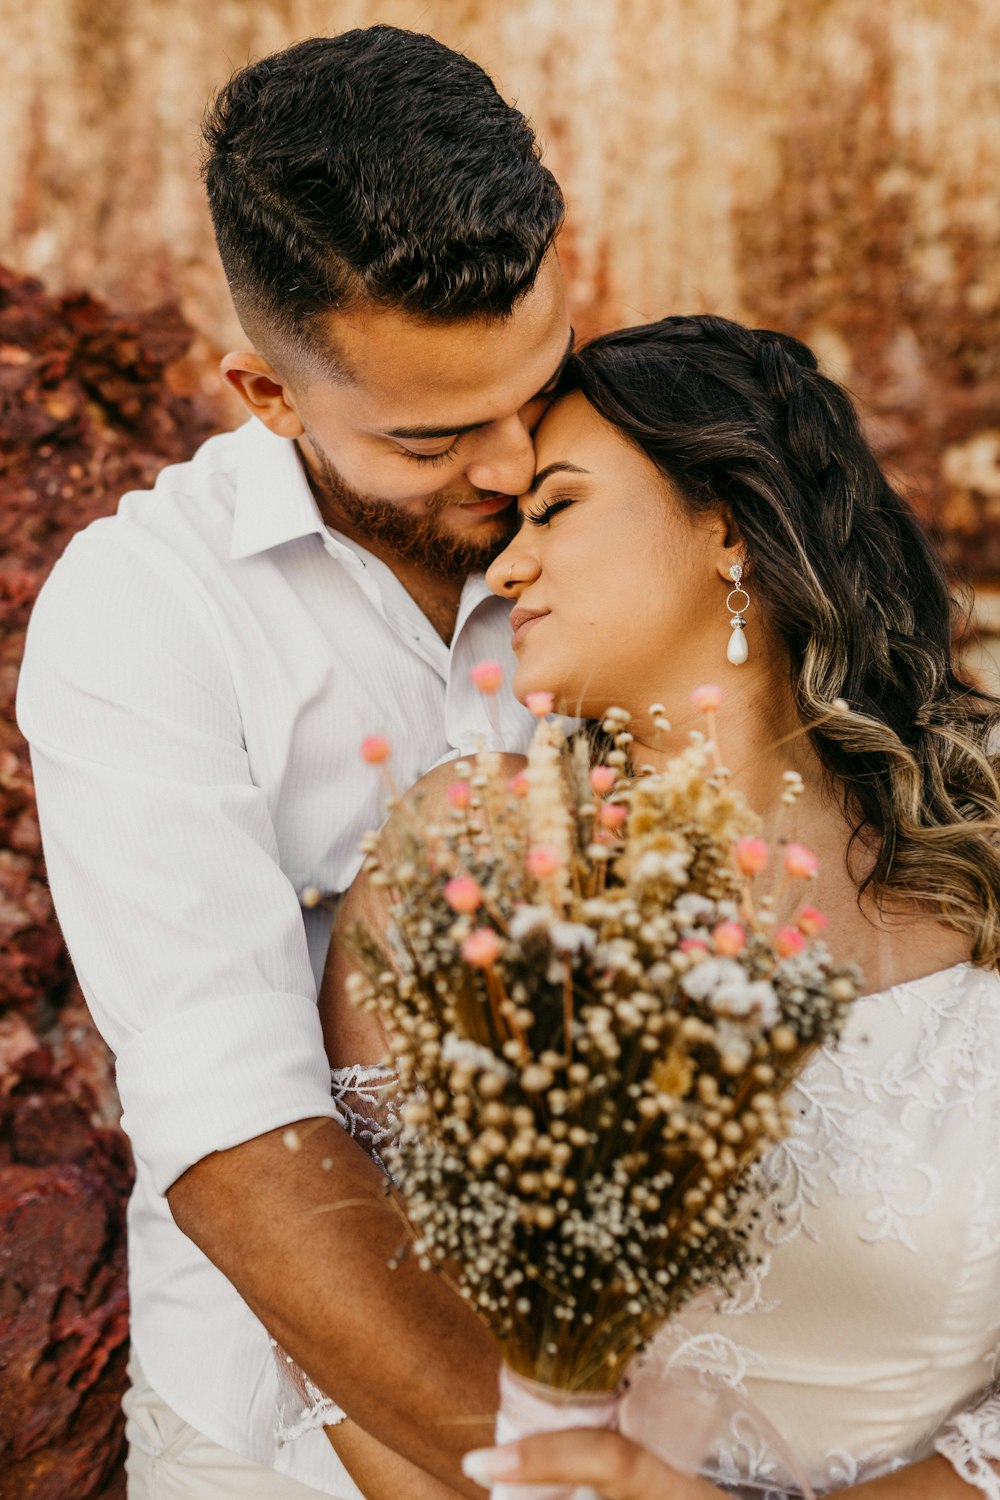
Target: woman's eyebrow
[561,466]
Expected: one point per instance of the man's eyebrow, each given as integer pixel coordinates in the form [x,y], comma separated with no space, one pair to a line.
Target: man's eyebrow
[562,466]
[441,432]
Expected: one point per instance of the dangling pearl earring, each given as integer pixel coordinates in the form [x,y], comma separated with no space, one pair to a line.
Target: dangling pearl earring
[737,651]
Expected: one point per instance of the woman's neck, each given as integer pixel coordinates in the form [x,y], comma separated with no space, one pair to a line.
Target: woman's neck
[760,738]
[757,733]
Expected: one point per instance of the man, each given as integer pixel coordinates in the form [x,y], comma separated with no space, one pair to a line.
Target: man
[200,672]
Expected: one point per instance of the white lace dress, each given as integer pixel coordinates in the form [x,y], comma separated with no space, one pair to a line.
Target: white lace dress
[870,1336]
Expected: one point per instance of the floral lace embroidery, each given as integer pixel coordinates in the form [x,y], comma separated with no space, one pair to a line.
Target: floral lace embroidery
[364,1097]
[971,1444]
[863,1111]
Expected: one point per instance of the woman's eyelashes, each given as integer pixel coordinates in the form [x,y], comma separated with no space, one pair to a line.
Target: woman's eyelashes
[544,513]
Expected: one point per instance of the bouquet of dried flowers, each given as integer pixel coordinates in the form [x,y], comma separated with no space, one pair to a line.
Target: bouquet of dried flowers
[594,1013]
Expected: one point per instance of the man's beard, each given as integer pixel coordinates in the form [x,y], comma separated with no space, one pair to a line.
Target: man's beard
[425,539]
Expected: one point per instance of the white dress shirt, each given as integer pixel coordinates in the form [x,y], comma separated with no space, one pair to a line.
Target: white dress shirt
[200,671]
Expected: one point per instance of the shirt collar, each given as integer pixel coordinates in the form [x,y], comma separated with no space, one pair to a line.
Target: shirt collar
[274,503]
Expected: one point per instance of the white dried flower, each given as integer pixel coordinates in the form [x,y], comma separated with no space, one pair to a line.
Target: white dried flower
[458,1049]
[572,937]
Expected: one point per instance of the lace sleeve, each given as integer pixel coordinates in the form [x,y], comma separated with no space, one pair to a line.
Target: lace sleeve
[970,1442]
[364,1097]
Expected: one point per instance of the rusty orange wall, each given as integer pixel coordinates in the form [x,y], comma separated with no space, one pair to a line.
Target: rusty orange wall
[827,166]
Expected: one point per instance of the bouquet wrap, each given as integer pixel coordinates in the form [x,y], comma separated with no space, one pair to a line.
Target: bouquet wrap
[526,1407]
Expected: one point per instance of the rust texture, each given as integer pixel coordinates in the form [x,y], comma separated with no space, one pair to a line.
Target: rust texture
[86,411]
[826,166]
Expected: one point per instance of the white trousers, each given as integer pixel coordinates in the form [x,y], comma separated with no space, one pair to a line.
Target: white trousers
[170,1460]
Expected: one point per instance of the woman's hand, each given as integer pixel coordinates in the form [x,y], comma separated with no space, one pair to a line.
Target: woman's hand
[615,1468]
[611,1465]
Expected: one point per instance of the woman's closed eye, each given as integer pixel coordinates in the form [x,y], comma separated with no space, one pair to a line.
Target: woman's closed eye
[543,514]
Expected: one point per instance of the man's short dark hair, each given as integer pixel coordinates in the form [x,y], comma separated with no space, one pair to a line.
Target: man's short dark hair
[380,166]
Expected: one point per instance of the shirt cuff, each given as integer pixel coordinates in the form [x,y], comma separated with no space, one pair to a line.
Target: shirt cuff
[219,1074]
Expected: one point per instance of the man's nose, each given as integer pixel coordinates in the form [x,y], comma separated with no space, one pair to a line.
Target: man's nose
[503,458]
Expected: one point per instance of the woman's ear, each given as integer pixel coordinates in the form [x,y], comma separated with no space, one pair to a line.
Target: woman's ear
[731,550]
[262,391]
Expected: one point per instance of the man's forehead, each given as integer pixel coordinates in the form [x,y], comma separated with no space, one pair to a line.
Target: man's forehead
[416,377]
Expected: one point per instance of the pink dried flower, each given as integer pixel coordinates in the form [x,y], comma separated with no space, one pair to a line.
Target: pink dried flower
[788,941]
[375,749]
[482,948]
[811,921]
[611,815]
[518,785]
[729,939]
[459,794]
[464,895]
[706,698]
[487,676]
[539,704]
[693,945]
[602,779]
[543,861]
[801,862]
[751,855]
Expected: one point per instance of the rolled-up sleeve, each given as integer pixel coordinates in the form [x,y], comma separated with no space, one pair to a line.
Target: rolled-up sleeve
[186,935]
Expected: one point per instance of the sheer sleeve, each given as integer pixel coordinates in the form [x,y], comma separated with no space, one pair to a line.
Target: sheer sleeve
[364,1098]
[970,1442]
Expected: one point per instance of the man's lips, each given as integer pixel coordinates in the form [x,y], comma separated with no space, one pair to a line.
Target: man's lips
[521,620]
[489,505]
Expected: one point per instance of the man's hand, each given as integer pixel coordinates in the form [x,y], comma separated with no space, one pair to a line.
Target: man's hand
[306,1237]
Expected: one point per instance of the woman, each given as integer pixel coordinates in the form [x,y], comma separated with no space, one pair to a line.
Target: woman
[704,494]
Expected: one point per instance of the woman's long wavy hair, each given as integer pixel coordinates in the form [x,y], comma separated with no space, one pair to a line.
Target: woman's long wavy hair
[741,422]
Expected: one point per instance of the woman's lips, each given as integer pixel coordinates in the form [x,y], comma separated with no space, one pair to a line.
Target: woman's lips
[521,621]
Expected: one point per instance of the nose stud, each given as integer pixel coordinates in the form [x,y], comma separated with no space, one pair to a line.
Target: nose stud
[510,577]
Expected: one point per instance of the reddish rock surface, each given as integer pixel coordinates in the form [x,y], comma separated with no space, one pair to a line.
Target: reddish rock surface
[87,410]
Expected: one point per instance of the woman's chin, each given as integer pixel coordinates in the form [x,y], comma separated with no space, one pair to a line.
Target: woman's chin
[571,689]
[565,700]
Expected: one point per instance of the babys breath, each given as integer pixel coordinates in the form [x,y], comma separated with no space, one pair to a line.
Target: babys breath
[594,1021]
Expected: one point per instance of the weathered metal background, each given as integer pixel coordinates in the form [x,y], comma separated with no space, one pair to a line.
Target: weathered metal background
[828,166]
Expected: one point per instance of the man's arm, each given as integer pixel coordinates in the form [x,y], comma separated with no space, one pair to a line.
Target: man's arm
[189,941]
[308,1246]
[413,1367]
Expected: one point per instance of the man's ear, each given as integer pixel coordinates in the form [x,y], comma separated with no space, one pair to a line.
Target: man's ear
[262,391]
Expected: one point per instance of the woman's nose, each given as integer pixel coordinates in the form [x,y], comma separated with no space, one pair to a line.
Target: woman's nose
[506,574]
